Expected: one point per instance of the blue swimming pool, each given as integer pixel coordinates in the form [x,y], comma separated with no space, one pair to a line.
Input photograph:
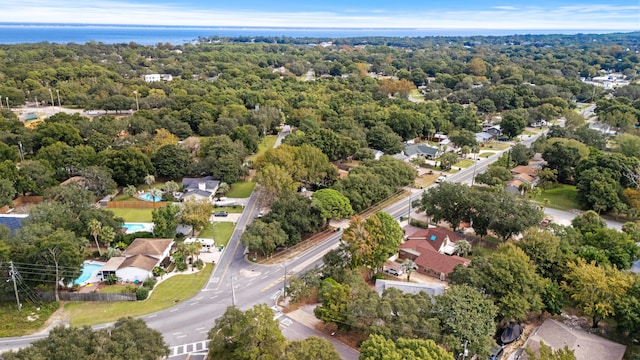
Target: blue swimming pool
[88,269]
[136,227]
[150,197]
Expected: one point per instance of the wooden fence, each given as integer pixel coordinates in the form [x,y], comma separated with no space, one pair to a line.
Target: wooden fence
[110,297]
[136,204]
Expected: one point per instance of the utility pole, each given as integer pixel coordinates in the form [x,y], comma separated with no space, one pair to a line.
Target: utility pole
[53,104]
[12,272]
[58,93]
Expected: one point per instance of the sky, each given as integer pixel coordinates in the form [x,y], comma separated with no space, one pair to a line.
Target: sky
[613,15]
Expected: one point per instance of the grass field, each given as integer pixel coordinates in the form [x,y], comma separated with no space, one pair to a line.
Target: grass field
[465,163]
[221,232]
[487,154]
[264,145]
[229,209]
[241,189]
[496,145]
[26,321]
[562,197]
[417,94]
[132,215]
[165,295]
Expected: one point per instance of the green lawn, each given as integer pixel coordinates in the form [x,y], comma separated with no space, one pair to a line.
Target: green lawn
[230,209]
[26,321]
[486,154]
[265,144]
[417,94]
[221,232]
[124,197]
[165,295]
[496,145]
[132,215]
[562,197]
[464,163]
[241,189]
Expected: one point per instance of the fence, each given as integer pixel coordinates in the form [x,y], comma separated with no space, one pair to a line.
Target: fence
[136,204]
[110,297]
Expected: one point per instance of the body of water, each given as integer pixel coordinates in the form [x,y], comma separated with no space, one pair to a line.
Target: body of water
[88,271]
[16,33]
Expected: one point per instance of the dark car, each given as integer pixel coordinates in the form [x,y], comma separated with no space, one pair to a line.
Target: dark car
[496,353]
[220,213]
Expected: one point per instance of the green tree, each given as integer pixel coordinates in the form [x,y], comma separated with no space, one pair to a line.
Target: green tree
[276,181]
[562,157]
[195,213]
[264,237]
[332,204]
[377,347]
[520,154]
[252,334]
[311,348]
[463,138]
[7,192]
[627,144]
[596,289]
[94,228]
[172,161]
[547,353]
[512,124]
[128,166]
[408,267]
[165,220]
[449,202]
[547,178]
[466,315]
[61,252]
[97,179]
[494,176]
[381,137]
[334,302]
[447,160]
[513,215]
[130,190]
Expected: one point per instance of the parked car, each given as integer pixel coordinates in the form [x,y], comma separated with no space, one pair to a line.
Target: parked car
[441,179]
[220,213]
[392,271]
[496,353]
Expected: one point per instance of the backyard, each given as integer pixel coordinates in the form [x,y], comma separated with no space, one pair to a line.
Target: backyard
[221,232]
[266,143]
[176,289]
[241,189]
[132,215]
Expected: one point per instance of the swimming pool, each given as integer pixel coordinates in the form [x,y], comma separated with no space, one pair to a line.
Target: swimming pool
[150,197]
[136,227]
[88,271]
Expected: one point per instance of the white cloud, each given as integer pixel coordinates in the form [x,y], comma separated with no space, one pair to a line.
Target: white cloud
[579,17]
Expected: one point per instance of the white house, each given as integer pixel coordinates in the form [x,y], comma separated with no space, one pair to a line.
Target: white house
[200,188]
[157,77]
[137,262]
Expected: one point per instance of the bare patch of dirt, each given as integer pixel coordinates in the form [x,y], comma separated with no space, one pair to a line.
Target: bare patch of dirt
[59,317]
[352,338]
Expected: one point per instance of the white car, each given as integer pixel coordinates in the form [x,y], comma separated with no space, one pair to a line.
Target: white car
[441,179]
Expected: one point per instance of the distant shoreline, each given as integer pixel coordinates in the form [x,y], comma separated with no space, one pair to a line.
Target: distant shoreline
[18,33]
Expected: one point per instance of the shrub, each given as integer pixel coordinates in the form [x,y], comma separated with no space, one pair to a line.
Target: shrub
[181,266]
[199,264]
[129,288]
[142,293]
[149,283]
[158,271]
[111,279]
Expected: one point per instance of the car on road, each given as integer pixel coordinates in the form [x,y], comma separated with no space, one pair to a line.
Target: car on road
[220,213]
[496,353]
[441,179]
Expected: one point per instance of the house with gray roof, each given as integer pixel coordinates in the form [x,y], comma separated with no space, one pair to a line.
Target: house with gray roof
[200,188]
[421,150]
[12,221]
[585,345]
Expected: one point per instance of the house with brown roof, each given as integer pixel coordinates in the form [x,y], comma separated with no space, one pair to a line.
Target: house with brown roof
[432,250]
[137,262]
[585,346]
[522,174]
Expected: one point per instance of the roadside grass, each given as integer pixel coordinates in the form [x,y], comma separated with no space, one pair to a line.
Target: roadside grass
[265,144]
[465,163]
[230,209]
[168,293]
[132,215]
[497,145]
[221,232]
[486,154]
[241,189]
[26,321]
[425,180]
[528,132]
[562,197]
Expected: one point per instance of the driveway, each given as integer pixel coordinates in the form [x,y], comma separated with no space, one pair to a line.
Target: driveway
[564,217]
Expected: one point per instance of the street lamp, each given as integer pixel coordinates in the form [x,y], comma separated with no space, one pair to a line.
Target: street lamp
[59,103]
[135,92]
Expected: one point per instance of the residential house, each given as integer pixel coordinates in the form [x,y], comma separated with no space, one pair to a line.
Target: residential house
[483,137]
[522,174]
[433,289]
[377,154]
[137,262]
[12,222]
[157,77]
[494,130]
[585,346]
[421,150]
[432,250]
[200,188]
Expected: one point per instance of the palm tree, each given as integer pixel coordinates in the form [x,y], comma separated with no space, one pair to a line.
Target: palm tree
[408,266]
[524,188]
[130,190]
[155,193]
[476,150]
[94,228]
[224,188]
[107,234]
[172,186]
[463,247]
[149,179]
[465,151]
